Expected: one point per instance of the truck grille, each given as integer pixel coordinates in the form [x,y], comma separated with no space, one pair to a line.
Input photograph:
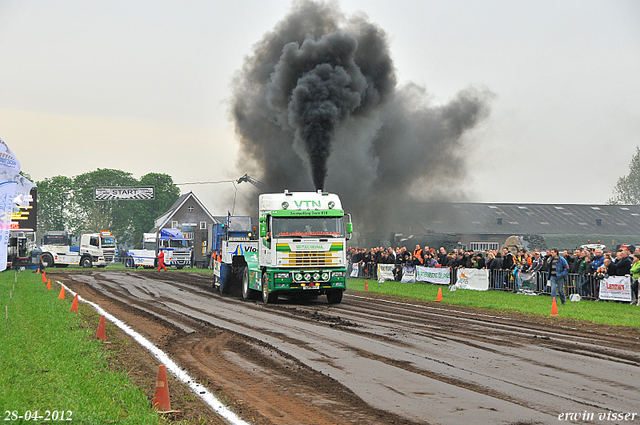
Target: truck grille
[310,258]
[108,258]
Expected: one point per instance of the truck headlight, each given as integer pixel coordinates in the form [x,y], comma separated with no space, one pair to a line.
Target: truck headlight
[282,275]
[337,274]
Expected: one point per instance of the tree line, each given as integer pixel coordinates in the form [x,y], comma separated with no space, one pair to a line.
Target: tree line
[67,203]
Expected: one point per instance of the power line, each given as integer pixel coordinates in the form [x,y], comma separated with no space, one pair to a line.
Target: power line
[216,182]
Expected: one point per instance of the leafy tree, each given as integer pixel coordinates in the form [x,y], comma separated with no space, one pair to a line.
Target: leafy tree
[25,175]
[68,204]
[166,193]
[627,190]
[56,206]
[94,216]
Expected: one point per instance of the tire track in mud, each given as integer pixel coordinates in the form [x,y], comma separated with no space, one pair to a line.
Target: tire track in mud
[261,384]
[606,346]
[505,361]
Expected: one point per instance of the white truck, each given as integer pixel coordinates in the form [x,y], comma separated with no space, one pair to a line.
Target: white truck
[301,248]
[94,249]
[176,247]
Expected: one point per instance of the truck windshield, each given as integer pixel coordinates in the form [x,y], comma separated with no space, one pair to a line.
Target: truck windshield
[308,227]
[179,243]
[239,224]
[108,241]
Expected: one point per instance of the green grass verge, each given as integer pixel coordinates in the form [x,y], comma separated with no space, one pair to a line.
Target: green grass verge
[605,312]
[51,361]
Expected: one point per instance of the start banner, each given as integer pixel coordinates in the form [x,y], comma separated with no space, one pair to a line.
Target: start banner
[473,279]
[441,276]
[615,288]
[124,193]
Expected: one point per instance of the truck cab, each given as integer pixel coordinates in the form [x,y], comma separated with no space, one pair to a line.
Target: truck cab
[176,247]
[59,249]
[302,246]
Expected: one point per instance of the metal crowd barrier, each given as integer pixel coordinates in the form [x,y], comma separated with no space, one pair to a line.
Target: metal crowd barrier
[586,286]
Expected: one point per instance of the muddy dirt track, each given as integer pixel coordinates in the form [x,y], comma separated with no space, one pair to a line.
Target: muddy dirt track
[370,360]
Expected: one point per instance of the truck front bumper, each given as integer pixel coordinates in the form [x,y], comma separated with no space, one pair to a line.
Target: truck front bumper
[308,280]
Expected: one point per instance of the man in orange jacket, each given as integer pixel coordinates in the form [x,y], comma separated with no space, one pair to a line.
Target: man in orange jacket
[161,261]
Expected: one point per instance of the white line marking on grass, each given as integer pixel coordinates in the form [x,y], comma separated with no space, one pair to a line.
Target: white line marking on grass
[172,366]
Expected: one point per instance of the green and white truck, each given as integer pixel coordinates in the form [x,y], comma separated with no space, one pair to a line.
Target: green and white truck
[301,247]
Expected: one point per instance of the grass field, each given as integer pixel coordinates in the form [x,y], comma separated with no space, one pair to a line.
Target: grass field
[605,312]
[51,362]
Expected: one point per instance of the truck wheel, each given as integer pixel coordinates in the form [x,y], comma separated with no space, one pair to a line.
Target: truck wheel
[47,260]
[130,263]
[247,293]
[265,290]
[335,296]
[86,262]
[266,296]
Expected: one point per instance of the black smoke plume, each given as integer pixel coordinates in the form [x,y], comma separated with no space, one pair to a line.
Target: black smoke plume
[317,106]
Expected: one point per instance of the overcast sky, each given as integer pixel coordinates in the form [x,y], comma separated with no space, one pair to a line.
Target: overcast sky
[144,86]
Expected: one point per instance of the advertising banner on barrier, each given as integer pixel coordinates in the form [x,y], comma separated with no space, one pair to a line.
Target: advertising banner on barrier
[385,272]
[615,288]
[408,274]
[528,280]
[354,270]
[434,275]
[473,279]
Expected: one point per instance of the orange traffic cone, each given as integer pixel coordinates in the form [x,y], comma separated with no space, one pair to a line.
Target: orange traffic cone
[38,272]
[61,296]
[74,304]
[366,285]
[161,397]
[101,334]
[439,297]
[554,307]
[44,277]
[49,284]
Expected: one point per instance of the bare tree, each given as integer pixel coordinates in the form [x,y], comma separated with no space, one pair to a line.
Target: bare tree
[627,190]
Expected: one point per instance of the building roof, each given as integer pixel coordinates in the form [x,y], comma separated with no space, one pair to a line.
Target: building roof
[519,219]
[162,220]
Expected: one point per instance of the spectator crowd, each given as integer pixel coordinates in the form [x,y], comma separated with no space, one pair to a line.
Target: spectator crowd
[584,267]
